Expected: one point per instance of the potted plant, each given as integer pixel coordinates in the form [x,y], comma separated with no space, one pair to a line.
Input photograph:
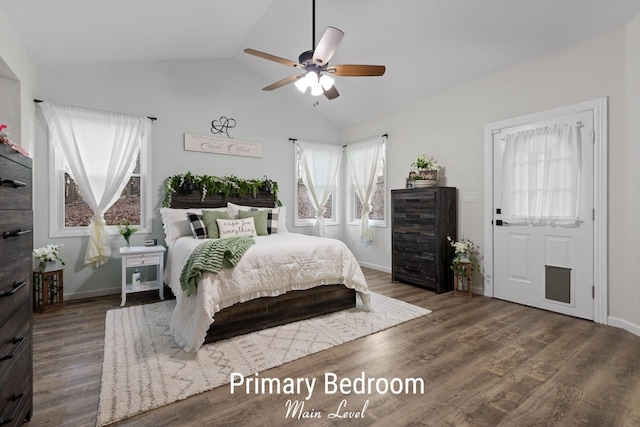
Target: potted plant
[48,258]
[425,171]
[126,230]
[467,251]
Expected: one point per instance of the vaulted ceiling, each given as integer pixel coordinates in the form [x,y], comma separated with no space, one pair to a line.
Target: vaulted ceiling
[426,45]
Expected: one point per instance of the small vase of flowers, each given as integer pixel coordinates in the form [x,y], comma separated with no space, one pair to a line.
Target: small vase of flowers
[467,251]
[126,230]
[48,258]
[425,171]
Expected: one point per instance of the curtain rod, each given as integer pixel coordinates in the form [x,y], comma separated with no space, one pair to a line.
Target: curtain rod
[294,140]
[38,101]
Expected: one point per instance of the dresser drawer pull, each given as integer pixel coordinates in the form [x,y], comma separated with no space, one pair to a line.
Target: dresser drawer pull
[19,232]
[19,398]
[18,343]
[413,216]
[413,200]
[413,232]
[16,287]
[13,183]
[409,268]
[412,251]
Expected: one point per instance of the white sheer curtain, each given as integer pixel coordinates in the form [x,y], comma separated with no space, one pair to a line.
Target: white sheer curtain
[364,162]
[321,163]
[541,176]
[100,149]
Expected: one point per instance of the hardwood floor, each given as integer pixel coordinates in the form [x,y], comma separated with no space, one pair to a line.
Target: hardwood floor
[485,362]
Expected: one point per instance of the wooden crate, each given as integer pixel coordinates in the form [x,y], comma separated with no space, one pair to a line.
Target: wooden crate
[48,290]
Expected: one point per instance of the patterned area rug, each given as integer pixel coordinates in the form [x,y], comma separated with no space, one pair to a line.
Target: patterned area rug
[144,369]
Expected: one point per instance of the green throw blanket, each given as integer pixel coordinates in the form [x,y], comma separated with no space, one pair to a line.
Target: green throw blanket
[212,256]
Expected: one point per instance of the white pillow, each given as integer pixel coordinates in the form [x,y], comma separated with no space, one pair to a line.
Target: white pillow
[176,223]
[236,227]
[282,220]
[233,209]
[281,211]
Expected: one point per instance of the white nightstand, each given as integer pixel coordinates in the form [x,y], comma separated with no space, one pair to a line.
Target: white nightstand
[139,256]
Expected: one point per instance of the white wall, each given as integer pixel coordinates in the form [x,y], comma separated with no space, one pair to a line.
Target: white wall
[185,96]
[625,246]
[10,111]
[449,126]
[21,67]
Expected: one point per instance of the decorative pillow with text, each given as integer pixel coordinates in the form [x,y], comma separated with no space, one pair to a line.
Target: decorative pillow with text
[236,227]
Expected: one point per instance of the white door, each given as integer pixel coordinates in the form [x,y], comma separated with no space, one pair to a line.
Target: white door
[548,266]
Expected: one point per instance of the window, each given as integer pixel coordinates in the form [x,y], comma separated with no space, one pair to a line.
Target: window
[541,176]
[377,216]
[71,214]
[305,212]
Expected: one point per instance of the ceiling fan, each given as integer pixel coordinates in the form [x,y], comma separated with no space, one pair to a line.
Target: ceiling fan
[316,73]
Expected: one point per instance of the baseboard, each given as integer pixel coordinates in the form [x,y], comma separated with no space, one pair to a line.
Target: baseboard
[624,324]
[92,294]
[375,267]
[105,292]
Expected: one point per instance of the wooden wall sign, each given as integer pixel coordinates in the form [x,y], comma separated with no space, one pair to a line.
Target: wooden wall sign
[211,144]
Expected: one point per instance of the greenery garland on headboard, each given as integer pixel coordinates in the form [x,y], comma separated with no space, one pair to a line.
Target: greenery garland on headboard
[225,185]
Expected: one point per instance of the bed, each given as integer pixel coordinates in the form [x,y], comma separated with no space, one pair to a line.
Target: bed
[293,276]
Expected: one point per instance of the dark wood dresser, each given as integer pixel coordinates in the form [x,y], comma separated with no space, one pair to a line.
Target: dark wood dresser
[16,266]
[422,218]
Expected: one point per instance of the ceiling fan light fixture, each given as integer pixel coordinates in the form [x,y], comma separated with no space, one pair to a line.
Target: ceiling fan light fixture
[312,78]
[301,84]
[313,64]
[316,90]
[326,81]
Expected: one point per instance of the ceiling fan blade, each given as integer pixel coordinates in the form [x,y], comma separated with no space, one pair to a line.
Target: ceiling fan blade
[352,70]
[272,57]
[327,45]
[283,82]
[331,93]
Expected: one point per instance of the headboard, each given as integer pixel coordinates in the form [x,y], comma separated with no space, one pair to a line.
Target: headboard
[192,199]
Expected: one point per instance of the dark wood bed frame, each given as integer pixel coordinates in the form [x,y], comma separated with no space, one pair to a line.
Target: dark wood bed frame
[266,312]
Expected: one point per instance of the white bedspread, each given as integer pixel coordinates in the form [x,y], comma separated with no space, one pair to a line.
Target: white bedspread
[276,264]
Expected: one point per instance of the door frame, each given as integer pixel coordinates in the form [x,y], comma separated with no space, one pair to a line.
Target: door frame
[599,108]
